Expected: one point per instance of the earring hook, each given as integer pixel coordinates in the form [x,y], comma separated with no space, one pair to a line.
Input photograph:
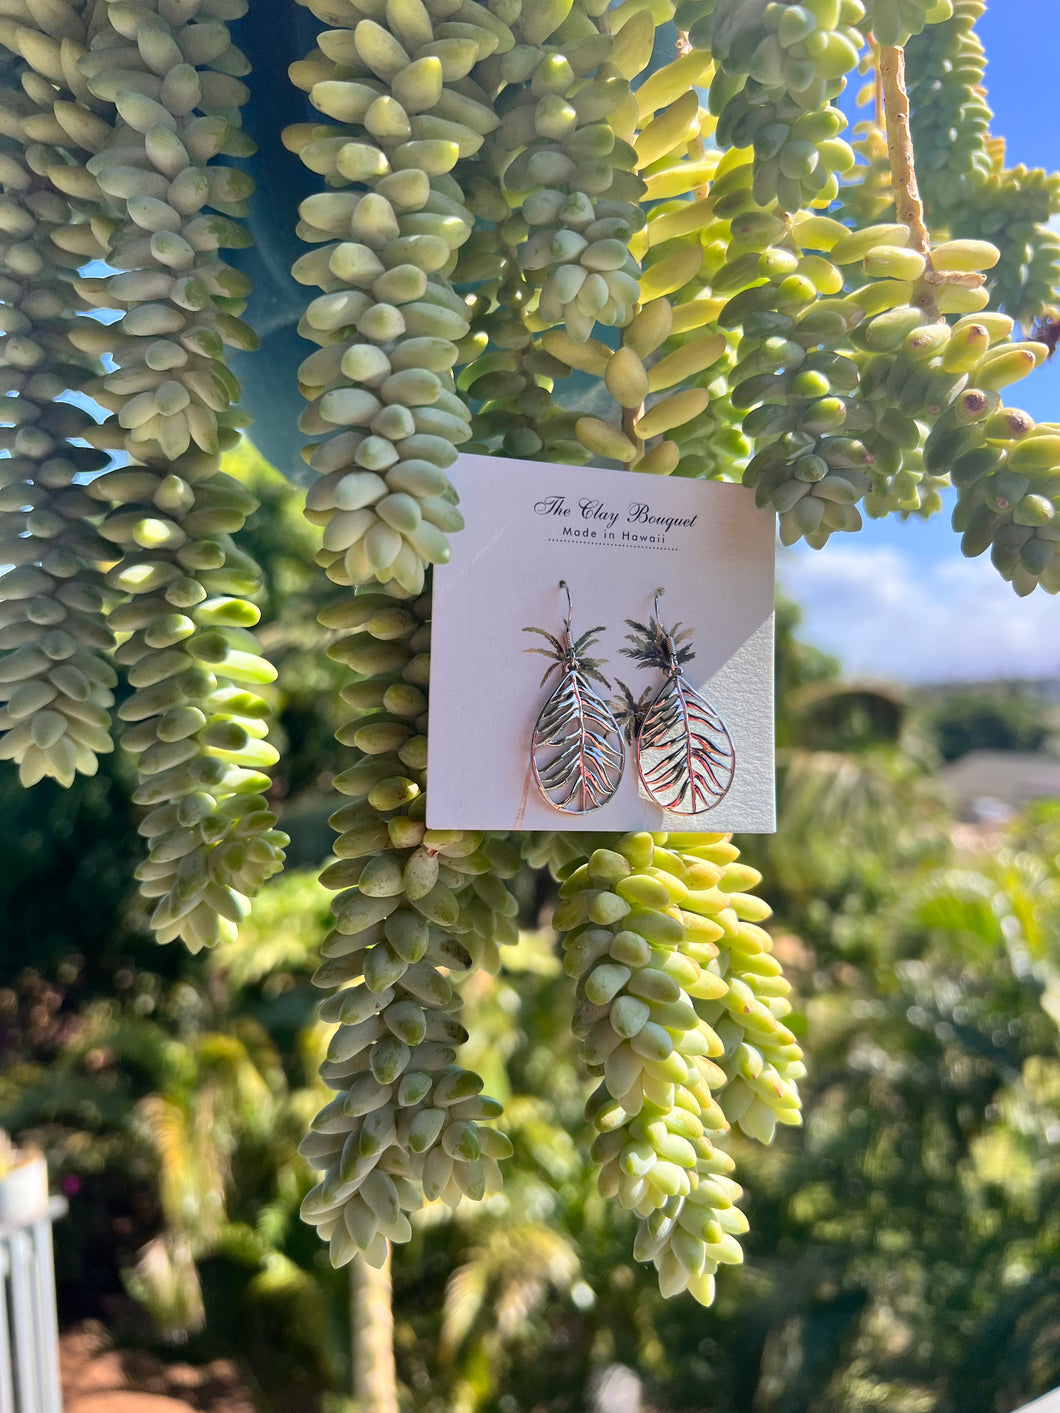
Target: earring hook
[658,595]
[570,607]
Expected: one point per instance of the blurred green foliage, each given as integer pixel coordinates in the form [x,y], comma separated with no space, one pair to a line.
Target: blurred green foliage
[975,719]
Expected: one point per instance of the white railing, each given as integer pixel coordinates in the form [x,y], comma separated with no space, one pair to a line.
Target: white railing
[29,1333]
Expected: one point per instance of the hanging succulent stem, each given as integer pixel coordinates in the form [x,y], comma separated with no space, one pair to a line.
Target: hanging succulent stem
[374,1376]
[55,678]
[414,906]
[680,1010]
[153,103]
[197,727]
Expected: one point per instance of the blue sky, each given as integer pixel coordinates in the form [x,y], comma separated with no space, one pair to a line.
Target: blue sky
[899,600]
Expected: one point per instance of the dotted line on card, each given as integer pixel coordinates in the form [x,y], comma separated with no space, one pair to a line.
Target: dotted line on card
[609,544]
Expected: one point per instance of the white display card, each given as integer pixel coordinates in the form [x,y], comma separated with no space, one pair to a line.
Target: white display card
[705,757]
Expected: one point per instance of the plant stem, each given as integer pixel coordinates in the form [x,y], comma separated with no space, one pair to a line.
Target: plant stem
[696,149]
[372,1337]
[907,202]
[629,426]
[908,206]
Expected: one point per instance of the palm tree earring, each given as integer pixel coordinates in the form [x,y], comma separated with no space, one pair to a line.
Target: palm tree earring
[577,753]
[685,756]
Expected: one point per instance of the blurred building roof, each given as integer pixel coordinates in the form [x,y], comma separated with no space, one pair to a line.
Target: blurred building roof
[986,784]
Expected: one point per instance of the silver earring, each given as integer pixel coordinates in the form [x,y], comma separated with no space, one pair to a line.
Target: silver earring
[577,752]
[685,756]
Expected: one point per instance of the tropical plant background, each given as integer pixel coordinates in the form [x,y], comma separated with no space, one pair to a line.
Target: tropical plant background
[903,1246]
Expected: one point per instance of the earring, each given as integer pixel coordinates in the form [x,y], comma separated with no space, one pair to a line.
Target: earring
[577,753]
[685,755]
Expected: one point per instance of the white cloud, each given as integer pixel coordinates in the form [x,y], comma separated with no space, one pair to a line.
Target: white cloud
[885,615]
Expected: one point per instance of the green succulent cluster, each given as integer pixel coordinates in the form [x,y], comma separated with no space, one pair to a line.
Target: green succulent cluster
[845,361]
[414,909]
[778,69]
[836,361]
[146,97]
[680,1010]
[662,406]
[552,246]
[950,117]
[968,190]
[56,679]
[553,249]
[1016,210]
[897,21]
[389,323]
[171,92]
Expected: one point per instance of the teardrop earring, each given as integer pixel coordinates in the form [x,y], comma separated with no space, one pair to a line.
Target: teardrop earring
[685,756]
[577,753]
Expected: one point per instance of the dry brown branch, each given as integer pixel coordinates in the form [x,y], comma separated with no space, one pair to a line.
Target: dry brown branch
[908,206]
[907,202]
[967,280]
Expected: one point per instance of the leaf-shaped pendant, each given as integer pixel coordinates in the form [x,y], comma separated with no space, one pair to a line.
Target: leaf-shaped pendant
[577,753]
[685,755]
